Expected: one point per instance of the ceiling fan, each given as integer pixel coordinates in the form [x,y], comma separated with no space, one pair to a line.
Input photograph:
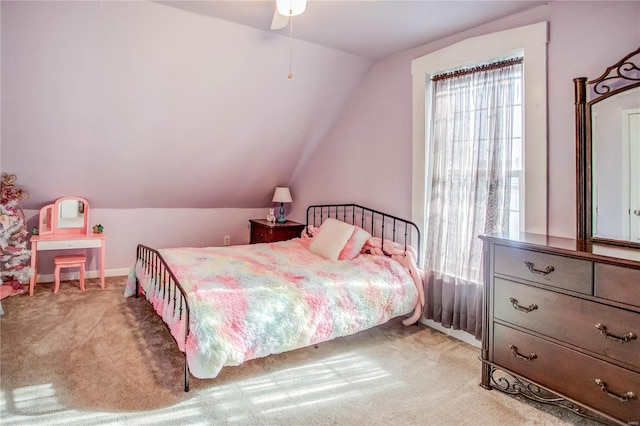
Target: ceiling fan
[285,10]
[283,15]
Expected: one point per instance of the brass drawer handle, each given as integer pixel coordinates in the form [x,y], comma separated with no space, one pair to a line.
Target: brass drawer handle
[623,339]
[533,270]
[525,309]
[622,398]
[514,352]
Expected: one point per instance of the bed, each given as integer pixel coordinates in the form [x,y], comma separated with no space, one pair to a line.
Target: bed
[351,269]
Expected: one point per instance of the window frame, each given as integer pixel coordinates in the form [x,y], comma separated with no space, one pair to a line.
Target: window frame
[531,42]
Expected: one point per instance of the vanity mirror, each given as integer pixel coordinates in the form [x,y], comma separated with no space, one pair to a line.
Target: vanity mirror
[68,215]
[608,155]
[71,214]
[45,221]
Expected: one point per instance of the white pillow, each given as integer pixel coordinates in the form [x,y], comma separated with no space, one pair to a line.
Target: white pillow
[331,238]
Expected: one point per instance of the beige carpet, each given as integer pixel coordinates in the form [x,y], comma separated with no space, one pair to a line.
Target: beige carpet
[98,358]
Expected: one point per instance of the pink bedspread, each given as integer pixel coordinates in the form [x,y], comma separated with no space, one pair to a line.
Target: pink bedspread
[251,301]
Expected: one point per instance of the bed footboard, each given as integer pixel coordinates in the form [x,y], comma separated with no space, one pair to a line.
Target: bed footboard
[168,287]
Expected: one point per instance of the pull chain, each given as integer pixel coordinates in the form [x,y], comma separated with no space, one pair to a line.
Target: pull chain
[290,76]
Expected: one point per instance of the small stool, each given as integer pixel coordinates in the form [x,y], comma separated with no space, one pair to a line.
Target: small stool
[69,261]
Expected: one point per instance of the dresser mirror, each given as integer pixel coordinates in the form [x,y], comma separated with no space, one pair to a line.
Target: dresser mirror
[608,155]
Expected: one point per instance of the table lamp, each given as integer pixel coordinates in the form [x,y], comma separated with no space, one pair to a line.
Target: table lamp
[282,195]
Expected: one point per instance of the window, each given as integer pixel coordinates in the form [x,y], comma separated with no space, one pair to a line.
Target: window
[470,179]
[530,175]
[452,300]
[518,197]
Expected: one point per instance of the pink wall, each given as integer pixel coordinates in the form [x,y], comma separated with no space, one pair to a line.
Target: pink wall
[367,156]
[139,104]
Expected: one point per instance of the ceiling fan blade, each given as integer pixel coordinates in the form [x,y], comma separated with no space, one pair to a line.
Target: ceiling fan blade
[279,21]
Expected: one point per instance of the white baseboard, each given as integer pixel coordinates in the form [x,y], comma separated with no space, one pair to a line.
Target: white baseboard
[457,334]
[49,278]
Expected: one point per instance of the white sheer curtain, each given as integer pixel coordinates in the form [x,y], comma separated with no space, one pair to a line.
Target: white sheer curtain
[473,121]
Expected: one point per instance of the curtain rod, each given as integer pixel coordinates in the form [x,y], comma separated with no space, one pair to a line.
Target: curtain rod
[486,67]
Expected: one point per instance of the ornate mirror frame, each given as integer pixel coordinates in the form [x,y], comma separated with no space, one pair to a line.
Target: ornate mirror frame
[620,77]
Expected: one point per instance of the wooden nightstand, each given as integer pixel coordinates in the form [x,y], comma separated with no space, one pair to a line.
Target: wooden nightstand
[263,231]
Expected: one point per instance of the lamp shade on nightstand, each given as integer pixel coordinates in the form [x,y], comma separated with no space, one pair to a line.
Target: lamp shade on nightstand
[282,195]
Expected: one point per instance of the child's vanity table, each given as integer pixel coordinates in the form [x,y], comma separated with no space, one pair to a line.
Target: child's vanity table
[63,226]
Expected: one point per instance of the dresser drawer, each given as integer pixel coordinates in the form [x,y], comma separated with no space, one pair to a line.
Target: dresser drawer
[617,283]
[569,319]
[557,271]
[568,372]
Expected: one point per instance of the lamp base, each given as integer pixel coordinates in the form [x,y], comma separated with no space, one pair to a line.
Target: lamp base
[281,218]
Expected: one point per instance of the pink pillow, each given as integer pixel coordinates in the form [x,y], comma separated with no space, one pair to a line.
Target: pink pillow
[354,244]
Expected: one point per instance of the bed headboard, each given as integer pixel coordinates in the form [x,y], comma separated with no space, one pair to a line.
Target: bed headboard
[377,223]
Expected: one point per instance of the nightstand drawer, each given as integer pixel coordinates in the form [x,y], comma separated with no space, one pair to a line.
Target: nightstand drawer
[259,235]
[282,234]
[266,232]
[544,268]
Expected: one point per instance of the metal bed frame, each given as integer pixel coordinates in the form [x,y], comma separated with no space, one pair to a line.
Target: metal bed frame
[370,220]
[377,223]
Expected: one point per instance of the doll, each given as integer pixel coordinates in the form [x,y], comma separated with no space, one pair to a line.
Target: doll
[271,216]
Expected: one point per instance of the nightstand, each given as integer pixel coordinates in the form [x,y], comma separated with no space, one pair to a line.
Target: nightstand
[263,231]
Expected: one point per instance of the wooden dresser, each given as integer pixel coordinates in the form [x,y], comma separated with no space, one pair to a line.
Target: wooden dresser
[263,231]
[564,321]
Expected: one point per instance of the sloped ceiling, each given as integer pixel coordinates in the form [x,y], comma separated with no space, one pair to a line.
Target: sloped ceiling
[136,104]
[147,104]
[370,28]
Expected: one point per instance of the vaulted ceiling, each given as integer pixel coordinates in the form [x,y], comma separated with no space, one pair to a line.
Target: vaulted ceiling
[188,104]
[369,28]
